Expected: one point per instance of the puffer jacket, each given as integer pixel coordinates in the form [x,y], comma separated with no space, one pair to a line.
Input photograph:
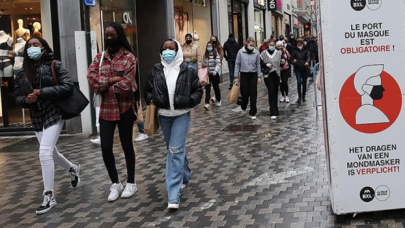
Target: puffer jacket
[46,84]
[188,88]
[231,48]
[213,64]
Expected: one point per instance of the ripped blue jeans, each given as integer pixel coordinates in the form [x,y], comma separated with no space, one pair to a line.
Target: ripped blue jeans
[175,130]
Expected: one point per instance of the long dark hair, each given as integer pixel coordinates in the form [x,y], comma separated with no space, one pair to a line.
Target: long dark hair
[214,50]
[217,45]
[29,64]
[121,35]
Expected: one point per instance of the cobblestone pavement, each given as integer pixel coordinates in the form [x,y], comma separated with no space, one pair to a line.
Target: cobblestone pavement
[246,173]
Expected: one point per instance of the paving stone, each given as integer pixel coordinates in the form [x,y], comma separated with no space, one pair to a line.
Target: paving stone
[246,173]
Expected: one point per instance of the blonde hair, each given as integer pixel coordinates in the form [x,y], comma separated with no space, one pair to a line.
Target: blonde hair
[280,43]
[250,39]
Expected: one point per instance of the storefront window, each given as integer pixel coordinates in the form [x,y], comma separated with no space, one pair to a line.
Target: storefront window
[259,26]
[123,12]
[18,23]
[192,17]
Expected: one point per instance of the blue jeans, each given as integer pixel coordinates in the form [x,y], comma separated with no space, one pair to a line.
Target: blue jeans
[175,131]
[141,127]
[231,67]
[193,65]
[301,82]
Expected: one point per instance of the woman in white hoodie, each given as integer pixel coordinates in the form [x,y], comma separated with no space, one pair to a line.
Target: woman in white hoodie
[174,88]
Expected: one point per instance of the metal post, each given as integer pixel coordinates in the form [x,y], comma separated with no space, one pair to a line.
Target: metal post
[314,76]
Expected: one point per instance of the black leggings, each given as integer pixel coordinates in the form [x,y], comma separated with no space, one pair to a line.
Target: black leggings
[284,82]
[125,130]
[214,81]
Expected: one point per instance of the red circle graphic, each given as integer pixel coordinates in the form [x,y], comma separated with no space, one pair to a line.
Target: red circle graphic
[390,104]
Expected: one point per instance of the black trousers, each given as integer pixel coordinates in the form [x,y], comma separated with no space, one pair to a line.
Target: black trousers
[272,82]
[125,129]
[285,74]
[248,89]
[214,81]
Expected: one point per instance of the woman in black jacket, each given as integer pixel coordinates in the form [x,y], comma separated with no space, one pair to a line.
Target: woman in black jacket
[36,89]
[174,88]
[300,58]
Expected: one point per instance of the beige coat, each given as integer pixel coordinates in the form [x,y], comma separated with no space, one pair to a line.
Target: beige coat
[192,53]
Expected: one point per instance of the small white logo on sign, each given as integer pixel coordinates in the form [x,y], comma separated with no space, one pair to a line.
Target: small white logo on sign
[127,18]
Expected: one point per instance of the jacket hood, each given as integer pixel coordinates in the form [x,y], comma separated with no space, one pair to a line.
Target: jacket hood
[177,60]
[231,40]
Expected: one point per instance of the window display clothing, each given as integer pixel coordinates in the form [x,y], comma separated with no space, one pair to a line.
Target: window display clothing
[6,69]
[21,31]
[18,55]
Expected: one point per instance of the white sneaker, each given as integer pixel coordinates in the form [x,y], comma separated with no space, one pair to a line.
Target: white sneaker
[287,100]
[96,140]
[140,137]
[218,103]
[48,203]
[207,106]
[115,191]
[253,117]
[237,109]
[282,99]
[273,117]
[183,186]
[129,190]
[173,206]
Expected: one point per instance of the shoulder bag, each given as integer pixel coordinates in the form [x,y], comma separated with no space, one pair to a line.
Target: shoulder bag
[75,103]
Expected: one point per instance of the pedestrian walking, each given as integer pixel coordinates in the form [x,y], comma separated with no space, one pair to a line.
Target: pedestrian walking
[248,65]
[216,44]
[141,132]
[116,82]
[285,71]
[213,63]
[292,39]
[264,45]
[231,48]
[270,64]
[191,52]
[174,88]
[301,59]
[36,89]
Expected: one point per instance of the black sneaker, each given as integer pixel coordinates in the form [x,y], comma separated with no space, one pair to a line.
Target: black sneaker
[75,175]
[48,203]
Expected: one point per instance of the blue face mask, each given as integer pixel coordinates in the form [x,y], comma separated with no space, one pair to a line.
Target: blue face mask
[250,48]
[272,48]
[168,55]
[34,53]
[209,49]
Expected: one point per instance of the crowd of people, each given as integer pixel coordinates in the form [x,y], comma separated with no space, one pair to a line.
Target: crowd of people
[173,86]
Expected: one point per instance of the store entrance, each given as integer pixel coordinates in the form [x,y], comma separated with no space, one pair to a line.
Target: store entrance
[20,20]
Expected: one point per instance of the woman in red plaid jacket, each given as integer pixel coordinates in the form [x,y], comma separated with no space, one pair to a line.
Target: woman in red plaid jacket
[115,81]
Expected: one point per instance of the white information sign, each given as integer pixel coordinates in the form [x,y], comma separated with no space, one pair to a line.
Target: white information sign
[364,82]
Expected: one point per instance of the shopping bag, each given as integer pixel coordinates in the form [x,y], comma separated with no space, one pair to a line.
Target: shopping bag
[151,120]
[139,116]
[203,76]
[233,96]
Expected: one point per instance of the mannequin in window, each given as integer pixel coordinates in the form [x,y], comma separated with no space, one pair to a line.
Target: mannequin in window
[18,54]
[37,27]
[21,31]
[6,42]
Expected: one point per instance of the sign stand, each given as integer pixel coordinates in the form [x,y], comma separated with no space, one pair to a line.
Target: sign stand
[362,56]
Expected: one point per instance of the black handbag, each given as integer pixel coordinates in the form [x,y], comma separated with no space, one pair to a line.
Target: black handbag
[265,70]
[74,104]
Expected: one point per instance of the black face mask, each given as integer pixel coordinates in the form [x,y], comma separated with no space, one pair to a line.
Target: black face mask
[113,43]
[281,38]
[214,42]
[377,92]
[189,41]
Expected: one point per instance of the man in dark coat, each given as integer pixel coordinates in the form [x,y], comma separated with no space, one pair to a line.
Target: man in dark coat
[231,48]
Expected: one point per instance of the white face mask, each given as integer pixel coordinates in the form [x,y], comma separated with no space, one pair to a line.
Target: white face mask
[300,47]
[250,47]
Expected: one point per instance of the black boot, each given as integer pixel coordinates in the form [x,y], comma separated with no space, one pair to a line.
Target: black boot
[303,98]
[298,101]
